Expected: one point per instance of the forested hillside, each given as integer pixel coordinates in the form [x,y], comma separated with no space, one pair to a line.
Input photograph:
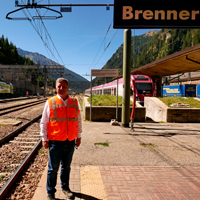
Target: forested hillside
[153,47]
[9,54]
[166,42]
[138,43]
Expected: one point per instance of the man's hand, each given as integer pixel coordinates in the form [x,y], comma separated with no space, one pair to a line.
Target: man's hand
[45,144]
[78,142]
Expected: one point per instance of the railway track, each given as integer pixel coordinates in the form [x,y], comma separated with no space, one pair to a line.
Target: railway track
[14,108]
[80,97]
[3,100]
[17,148]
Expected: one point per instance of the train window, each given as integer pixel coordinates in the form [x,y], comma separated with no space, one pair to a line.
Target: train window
[139,78]
[144,88]
[107,91]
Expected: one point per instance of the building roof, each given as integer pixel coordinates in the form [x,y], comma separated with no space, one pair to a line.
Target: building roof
[186,60]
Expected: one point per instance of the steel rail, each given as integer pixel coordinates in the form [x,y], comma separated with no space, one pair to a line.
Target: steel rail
[15,106]
[13,178]
[7,137]
[6,112]
[4,100]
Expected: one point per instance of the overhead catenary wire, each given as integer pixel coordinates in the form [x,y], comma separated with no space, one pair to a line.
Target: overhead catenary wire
[82,64]
[47,34]
[106,48]
[35,27]
[101,45]
[50,37]
[39,32]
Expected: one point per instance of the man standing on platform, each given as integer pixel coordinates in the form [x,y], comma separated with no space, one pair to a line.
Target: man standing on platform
[61,127]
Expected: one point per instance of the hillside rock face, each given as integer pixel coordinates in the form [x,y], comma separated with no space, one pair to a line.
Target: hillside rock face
[151,33]
[76,82]
[36,57]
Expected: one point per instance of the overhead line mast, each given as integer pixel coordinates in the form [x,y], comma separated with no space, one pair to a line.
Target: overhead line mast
[46,6]
[35,5]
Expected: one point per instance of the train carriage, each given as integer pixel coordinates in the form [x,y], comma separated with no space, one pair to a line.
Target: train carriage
[185,90]
[144,87]
[6,88]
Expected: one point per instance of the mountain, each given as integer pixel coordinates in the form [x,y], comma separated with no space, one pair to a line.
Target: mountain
[145,48]
[76,82]
[36,57]
[138,43]
[152,46]
[9,54]
[166,42]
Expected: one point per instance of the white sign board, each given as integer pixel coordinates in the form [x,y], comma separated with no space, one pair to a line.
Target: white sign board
[104,72]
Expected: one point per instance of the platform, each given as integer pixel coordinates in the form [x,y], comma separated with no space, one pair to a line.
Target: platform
[155,161]
[120,183]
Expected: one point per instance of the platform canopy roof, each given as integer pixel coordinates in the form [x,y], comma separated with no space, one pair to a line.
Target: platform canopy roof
[183,61]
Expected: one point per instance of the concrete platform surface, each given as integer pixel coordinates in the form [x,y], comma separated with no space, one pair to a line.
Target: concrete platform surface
[155,161]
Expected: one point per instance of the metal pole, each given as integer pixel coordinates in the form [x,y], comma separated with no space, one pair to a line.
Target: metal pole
[117,102]
[38,86]
[91,97]
[126,78]
[60,5]
[134,94]
[38,82]
[52,85]
[159,85]
[45,77]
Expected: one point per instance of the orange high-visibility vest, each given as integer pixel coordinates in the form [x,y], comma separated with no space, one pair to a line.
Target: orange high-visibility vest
[63,121]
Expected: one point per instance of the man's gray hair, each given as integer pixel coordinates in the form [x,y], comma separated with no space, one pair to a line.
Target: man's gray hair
[61,79]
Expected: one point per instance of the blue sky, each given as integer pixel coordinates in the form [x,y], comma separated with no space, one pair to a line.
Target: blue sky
[77,36]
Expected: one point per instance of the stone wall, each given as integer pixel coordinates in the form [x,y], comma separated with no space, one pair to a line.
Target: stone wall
[106,113]
[158,111]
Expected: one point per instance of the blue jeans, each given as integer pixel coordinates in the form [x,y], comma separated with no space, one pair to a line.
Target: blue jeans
[59,151]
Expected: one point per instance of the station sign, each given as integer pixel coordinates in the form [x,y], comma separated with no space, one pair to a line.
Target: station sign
[65,9]
[129,14]
[104,72]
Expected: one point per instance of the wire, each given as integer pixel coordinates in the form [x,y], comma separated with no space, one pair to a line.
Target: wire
[39,32]
[105,48]
[83,64]
[48,7]
[50,38]
[101,45]
[39,1]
